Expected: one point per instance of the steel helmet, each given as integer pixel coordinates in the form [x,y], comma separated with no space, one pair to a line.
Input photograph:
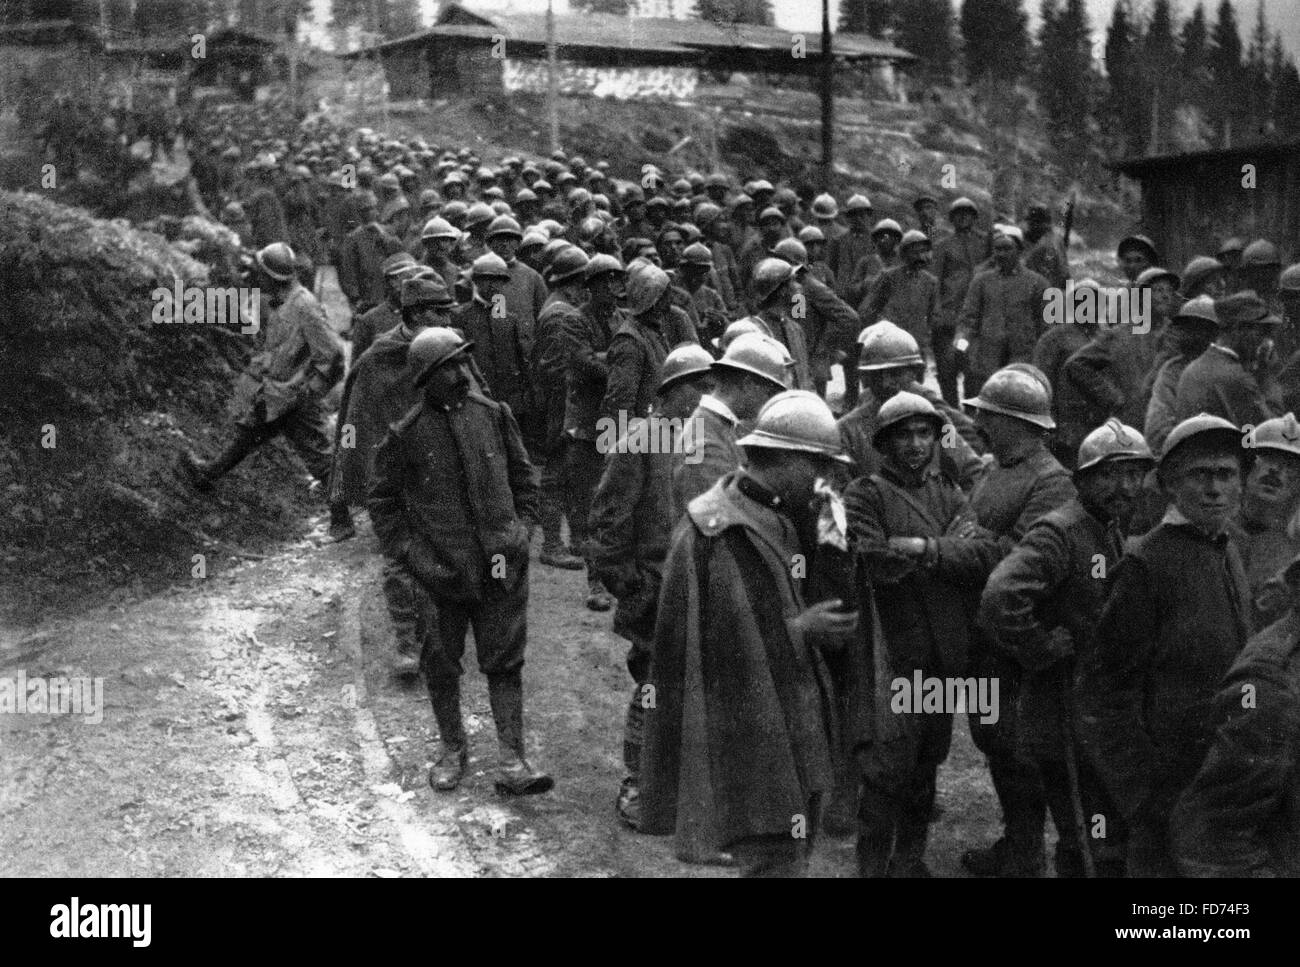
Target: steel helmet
[453,210]
[697,254]
[579,196]
[904,406]
[1113,441]
[1199,309]
[759,355]
[705,213]
[439,228]
[887,346]
[427,290]
[771,213]
[1136,241]
[524,195]
[913,237]
[735,330]
[533,237]
[277,261]
[799,421]
[811,233]
[1233,244]
[567,266]
[645,287]
[553,248]
[761,185]
[1282,433]
[432,348]
[1289,280]
[825,206]
[769,275]
[1261,253]
[551,227]
[1203,426]
[785,196]
[396,264]
[1198,270]
[683,362]
[1244,308]
[658,201]
[489,265]
[600,264]
[1154,274]
[961,203]
[792,250]
[887,225]
[739,201]
[857,203]
[505,225]
[717,179]
[478,213]
[1016,393]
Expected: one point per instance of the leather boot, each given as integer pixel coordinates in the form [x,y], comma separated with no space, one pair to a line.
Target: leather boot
[598,599]
[202,474]
[876,820]
[449,770]
[515,777]
[909,851]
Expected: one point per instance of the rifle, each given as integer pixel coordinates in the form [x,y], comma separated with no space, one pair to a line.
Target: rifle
[1072,769]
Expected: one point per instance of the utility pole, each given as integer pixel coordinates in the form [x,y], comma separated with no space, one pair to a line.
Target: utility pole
[552,81]
[827,97]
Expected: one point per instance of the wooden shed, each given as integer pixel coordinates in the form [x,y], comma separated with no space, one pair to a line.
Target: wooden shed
[1191,202]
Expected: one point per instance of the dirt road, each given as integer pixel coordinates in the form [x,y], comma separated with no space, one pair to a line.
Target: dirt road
[250,728]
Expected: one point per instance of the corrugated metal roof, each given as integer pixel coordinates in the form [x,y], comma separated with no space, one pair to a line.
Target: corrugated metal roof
[1140,167]
[656,34]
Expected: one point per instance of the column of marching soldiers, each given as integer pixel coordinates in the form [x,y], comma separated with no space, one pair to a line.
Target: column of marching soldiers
[785,576]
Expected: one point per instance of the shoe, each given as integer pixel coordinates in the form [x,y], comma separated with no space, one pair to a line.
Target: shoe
[515,777]
[341,526]
[449,770]
[598,599]
[628,804]
[1000,860]
[194,470]
[406,664]
[558,556]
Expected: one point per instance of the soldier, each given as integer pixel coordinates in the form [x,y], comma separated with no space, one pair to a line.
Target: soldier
[843,254]
[438,239]
[281,391]
[927,561]
[1203,276]
[1001,318]
[1135,254]
[1053,349]
[771,229]
[525,292]
[1023,483]
[737,655]
[1176,618]
[709,311]
[814,241]
[452,495]
[753,369]
[379,392]
[828,321]
[1264,529]
[639,347]
[1237,817]
[885,235]
[265,213]
[907,295]
[890,362]
[775,297]
[715,223]
[478,218]
[1046,256]
[956,260]
[548,369]
[585,338]
[361,255]
[825,211]
[1230,379]
[1041,606]
[1190,333]
[384,316]
[631,521]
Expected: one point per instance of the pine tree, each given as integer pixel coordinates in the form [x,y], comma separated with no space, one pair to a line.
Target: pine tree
[1227,75]
[1123,105]
[1193,63]
[874,17]
[1286,87]
[1257,109]
[1158,63]
[925,29]
[1063,73]
[995,39]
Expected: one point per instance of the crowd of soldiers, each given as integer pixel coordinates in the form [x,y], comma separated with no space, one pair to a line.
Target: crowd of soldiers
[1103,532]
